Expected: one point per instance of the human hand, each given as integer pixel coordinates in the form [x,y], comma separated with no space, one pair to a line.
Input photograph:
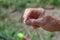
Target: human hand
[37,17]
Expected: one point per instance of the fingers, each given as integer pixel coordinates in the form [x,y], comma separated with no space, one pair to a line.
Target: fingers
[33,23]
[36,22]
[33,13]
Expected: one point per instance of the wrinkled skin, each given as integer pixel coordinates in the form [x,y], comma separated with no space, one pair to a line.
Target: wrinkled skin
[37,17]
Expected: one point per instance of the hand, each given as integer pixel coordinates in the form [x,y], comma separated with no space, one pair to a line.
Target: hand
[37,17]
[31,15]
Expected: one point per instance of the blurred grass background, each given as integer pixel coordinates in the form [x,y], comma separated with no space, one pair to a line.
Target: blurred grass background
[11,12]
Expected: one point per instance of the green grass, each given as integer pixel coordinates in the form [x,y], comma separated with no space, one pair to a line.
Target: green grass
[28,3]
[10,28]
